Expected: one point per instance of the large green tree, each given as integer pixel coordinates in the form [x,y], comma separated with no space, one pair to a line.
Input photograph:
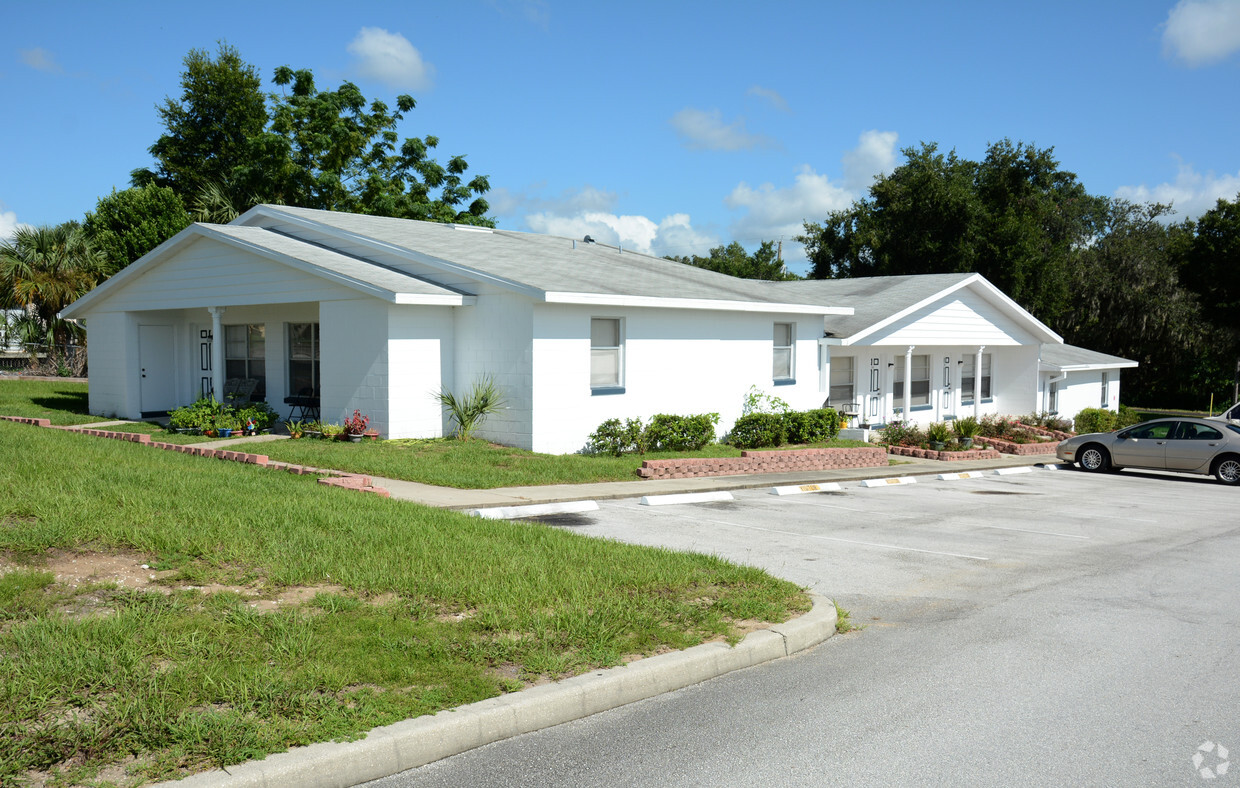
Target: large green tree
[1210,266]
[43,270]
[127,224]
[1015,217]
[303,146]
[733,260]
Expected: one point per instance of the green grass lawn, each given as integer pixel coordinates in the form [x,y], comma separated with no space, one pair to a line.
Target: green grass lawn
[63,403]
[410,609]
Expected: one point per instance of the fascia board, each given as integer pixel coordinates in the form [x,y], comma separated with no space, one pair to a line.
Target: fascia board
[435,300]
[658,302]
[1006,304]
[382,246]
[1049,367]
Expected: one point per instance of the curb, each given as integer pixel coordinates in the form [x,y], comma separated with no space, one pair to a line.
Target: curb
[405,745]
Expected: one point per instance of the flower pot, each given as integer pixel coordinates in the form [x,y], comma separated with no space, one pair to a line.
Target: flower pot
[966,443]
[937,445]
[226,433]
[353,437]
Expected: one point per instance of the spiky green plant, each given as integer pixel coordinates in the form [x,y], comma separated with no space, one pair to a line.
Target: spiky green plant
[470,410]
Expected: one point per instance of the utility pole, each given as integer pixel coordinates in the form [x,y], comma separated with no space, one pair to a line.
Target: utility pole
[779,257]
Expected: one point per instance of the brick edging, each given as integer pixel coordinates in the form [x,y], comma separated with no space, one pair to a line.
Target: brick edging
[1056,434]
[348,481]
[775,461]
[944,456]
[1020,449]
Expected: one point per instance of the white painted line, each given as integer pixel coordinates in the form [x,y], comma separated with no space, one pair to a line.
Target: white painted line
[944,477]
[835,539]
[1007,471]
[806,488]
[885,482]
[661,500]
[1029,531]
[534,510]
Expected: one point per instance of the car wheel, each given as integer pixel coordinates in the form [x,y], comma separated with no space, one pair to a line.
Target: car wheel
[1227,470]
[1094,458]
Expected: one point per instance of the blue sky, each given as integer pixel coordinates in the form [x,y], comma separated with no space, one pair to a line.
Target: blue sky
[667,127]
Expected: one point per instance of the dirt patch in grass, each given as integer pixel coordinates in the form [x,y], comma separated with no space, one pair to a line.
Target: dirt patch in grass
[93,569]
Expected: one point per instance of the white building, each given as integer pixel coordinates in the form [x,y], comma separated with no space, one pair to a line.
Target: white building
[380,314]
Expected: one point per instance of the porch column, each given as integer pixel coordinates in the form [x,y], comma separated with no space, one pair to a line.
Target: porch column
[217,351]
[977,383]
[908,383]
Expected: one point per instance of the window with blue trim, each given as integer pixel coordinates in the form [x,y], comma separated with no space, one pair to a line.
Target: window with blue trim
[919,388]
[783,357]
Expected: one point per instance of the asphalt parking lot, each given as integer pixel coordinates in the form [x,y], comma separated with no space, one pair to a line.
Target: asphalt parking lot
[1041,628]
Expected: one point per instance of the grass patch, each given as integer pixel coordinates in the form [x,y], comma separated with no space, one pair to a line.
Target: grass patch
[61,402]
[427,609]
[477,464]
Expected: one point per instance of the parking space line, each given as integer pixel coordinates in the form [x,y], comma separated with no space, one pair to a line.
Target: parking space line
[833,538]
[1031,531]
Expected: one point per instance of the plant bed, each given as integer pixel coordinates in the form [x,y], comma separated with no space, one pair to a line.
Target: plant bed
[1020,449]
[770,461]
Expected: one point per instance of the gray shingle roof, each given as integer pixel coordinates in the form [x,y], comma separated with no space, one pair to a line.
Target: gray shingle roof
[548,263]
[1071,356]
[330,262]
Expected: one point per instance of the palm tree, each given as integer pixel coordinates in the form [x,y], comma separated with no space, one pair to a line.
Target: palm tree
[43,270]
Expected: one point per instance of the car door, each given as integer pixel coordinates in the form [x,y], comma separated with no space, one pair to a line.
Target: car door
[1192,446]
[1143,446]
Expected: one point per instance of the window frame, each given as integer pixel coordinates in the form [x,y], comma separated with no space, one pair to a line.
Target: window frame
[249,360]
[897,395]
[790,350]
[967,373]
[313,360]
[618,350]
[832,385]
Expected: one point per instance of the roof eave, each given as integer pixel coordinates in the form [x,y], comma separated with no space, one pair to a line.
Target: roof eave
[717,304]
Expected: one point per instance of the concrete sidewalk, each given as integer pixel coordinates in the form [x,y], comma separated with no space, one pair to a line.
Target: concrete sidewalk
[452,498]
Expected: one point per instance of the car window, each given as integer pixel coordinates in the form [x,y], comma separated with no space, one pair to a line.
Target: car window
[1156,431]
[1200,432]
[1234,428]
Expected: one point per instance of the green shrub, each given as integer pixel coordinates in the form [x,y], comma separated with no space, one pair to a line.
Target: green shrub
[966,427]
[616,437]
[901,433]
[758,430]
[811,426]
[680,433]
[1127,417]
[258,412]
[1048,421]
[1095,420]
[938,432]
[484,399]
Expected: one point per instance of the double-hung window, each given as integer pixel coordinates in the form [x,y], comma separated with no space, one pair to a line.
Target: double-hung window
[969,374]
[245,354]
[842,382]
[919,388]
[303,357]
[1105,381]
[783,357]
[606,355]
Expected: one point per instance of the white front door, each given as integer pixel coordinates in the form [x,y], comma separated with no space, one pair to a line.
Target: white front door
[156,352]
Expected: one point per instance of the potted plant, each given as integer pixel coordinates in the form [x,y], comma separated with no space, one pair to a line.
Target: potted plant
[314,429]
[331,431]
[356,426]
[296,429]
[966,430]
[938,433]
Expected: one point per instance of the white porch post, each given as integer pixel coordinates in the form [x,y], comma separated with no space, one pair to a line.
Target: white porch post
[217,351]
[908,383]
[977,383]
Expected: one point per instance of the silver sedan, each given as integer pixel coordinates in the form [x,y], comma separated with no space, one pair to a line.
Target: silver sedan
[1174,444]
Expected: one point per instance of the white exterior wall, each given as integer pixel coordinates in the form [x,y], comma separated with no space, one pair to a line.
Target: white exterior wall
[107,352]
[1083,389]
[494,337]
[420,364]
[353,360]
[682,362]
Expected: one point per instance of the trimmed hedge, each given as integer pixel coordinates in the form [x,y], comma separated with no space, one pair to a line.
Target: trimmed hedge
[665,432]
[762,430]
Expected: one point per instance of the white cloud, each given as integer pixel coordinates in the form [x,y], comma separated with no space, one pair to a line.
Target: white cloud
[874,155]
[702,130]
[772,96]
[40,59]
[390,59]
[673,235]
[8,225]
[773,212]
[505,202]
[1202,31]
[1192,193]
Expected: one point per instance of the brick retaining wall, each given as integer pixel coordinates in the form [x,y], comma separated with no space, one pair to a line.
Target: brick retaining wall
[945,456]
[1020,449]
[1056,434]
[778,461]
